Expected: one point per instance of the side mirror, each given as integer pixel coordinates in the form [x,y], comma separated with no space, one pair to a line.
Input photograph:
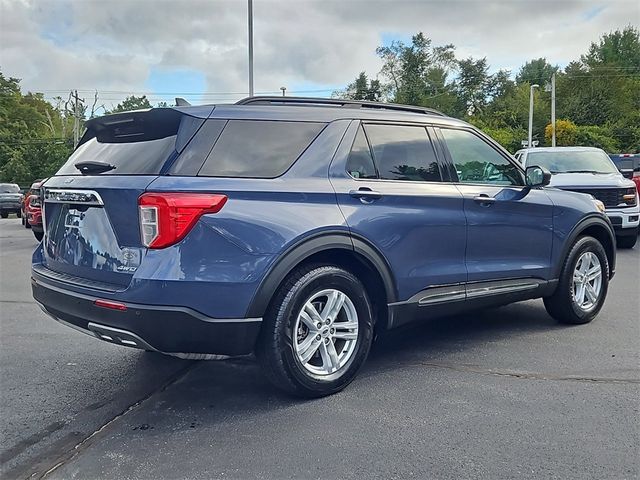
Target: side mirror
[537,176]
[627,172]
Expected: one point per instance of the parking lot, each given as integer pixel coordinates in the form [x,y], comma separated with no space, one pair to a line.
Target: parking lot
[502,393]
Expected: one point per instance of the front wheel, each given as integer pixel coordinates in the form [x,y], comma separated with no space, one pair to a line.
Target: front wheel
[583,284]
[4,214]
[317,332]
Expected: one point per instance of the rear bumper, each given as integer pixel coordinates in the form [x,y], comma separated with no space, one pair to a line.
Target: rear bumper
[162,328]
[10,207]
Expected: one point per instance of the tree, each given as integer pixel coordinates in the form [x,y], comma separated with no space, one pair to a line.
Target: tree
[472,85]
[34,134]
[616,49]
[418,74]
[536,71]
[132,103]
[566,133]
[362,89]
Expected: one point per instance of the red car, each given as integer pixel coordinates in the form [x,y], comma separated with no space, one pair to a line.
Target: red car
[32,211]
[628,162]
[33,190]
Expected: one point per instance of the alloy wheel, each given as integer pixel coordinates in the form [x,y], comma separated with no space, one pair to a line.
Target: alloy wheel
[587,281]
[326,332]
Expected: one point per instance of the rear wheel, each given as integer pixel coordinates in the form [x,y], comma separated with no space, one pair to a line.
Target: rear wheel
[38,235]
[628,241]
[317,332]
[584,281]
[4,214]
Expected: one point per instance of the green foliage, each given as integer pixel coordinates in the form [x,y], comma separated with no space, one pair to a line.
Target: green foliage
[132,103]
[566,133]
[601,90]
[34,134]
[537,71]
[596,136]
[362,89]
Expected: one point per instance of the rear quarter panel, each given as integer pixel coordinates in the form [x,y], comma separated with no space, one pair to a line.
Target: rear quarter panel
[261,219]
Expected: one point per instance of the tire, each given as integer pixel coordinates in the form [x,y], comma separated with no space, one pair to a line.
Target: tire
[38,235]
[19,214]
[22,220]
[565,303]
[628,241]
[26,223]
[335,361]
[4,214]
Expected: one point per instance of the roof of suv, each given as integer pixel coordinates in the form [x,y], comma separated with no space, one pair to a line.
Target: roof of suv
[317,110]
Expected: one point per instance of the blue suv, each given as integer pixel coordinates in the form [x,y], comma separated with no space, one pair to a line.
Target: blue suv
[299,228]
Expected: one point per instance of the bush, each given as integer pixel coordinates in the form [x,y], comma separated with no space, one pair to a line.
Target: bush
[566,133]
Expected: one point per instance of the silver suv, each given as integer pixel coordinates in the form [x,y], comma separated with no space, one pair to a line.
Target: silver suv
[590,170]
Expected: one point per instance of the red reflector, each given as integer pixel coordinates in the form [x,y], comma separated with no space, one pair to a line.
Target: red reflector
[112,305]
[166,218]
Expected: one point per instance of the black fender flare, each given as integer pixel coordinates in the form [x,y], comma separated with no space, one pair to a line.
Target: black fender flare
[590,220]
[309,246]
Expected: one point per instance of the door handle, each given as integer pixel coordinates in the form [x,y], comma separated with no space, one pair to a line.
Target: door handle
[484,200]
[365,194]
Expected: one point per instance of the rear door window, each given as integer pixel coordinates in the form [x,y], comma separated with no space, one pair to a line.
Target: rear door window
[403,152]
[258,149]
[360,162]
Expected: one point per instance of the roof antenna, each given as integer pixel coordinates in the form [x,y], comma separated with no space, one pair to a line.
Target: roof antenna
[181,102]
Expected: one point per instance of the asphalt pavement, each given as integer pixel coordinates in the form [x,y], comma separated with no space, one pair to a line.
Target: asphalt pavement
[502,393]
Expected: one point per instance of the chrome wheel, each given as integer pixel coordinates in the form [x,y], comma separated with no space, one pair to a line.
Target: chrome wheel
[587,281]
[326,332]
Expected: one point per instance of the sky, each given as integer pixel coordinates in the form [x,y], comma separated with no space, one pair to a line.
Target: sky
[197,49]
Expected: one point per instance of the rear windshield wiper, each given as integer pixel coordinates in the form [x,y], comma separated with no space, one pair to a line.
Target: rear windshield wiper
[87,168]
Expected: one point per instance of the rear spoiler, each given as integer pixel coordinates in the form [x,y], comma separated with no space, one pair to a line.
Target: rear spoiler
[144,125]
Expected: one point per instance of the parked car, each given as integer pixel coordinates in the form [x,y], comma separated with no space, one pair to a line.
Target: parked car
[629,166]
[298,228]
[34,216]
[590,170]
[33,190]
[10,198]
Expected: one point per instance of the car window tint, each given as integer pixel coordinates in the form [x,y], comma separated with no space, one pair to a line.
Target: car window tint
[258,149]
[193,156]
[360,162]
[403,153]
[478,162]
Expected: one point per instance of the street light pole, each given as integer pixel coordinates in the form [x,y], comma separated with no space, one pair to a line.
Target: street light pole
[250,8]
[553,110]
[284,89]
[535,85]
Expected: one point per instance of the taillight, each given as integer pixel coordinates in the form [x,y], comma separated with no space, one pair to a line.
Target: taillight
[166,218]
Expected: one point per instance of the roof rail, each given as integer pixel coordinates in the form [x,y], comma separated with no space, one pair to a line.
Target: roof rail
[337,102]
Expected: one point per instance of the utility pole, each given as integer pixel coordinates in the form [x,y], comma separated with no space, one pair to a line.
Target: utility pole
[284,89]
[535,85]
[250,8]
[76,120]
[553,110]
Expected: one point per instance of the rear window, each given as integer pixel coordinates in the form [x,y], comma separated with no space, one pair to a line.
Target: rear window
[9,188]
[258,149]
[142,158]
